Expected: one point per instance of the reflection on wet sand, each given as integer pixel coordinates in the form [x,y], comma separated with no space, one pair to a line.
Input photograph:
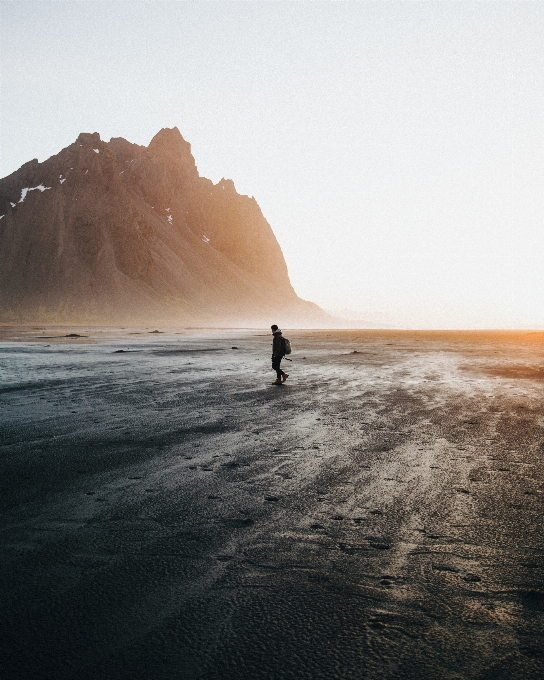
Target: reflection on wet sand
[166,512]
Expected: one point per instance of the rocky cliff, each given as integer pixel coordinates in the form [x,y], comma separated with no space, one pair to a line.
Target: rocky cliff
[112,232]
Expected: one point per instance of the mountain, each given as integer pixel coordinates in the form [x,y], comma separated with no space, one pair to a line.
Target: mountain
[117,233]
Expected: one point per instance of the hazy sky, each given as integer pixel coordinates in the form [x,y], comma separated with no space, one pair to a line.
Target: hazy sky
[396,148]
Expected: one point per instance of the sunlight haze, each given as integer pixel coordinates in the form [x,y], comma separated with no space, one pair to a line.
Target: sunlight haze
[395,148]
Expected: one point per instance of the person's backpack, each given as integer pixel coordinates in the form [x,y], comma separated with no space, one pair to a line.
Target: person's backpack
[286,346]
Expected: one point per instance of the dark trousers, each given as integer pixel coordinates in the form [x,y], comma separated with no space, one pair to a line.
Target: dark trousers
[276,361]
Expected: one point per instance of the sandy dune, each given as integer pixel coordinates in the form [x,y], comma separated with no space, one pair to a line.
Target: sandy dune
[168,513]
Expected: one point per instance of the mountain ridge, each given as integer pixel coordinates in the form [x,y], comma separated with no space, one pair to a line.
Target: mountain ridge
[115,232]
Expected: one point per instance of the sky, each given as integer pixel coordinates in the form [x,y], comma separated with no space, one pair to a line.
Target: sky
[396,148]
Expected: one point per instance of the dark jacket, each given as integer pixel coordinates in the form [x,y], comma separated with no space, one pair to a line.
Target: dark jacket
[278,349]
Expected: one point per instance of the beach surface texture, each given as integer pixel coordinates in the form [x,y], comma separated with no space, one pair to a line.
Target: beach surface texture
[167,512]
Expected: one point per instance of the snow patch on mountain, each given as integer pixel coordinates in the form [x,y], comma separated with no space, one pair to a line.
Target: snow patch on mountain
[25,191]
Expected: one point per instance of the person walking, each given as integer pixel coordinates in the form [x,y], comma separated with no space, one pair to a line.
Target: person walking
[278,352]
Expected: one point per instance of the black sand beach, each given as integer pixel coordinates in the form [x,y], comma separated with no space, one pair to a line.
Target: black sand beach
[168,513]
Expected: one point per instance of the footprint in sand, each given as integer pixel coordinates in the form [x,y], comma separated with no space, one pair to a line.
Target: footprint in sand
[471,578]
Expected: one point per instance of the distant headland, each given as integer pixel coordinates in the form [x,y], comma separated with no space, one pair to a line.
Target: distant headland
[117,233]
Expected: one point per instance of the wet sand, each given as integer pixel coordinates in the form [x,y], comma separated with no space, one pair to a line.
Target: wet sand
[168,513]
